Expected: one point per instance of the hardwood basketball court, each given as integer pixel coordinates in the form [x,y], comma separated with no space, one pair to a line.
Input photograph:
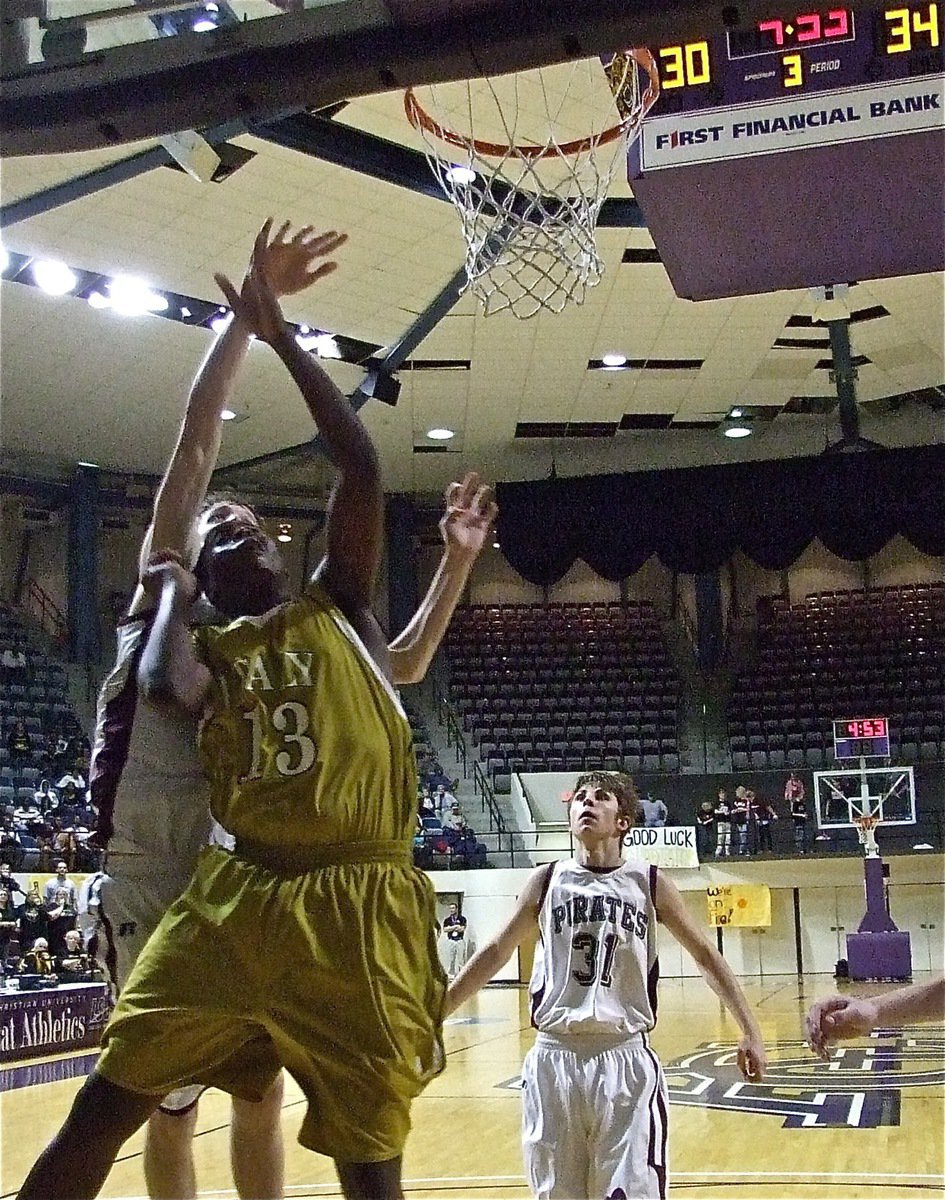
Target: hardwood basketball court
[882,1099]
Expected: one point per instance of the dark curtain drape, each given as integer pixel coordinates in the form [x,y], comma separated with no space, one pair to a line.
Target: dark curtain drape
[695,518]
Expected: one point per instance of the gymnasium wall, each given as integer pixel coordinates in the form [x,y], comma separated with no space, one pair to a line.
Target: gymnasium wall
[814,901]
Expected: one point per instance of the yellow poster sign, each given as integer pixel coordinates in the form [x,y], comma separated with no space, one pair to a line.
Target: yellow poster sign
[740,904]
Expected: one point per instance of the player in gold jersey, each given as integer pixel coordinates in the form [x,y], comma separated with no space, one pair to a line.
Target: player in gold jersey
[316,934]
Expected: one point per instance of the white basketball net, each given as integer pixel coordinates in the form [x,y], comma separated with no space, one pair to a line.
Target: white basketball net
[529,180]
[866,832]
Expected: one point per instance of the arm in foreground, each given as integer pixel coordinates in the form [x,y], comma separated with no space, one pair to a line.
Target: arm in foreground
[170,674]
[499,949]
[752,1059]
[836,1017]
[464,527]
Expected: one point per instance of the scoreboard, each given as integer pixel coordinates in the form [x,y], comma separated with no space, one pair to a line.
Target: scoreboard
[803,150]
[801,52]
[861,737]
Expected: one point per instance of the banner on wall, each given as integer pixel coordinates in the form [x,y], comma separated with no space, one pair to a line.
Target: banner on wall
[666,846]
[740,904]
[47,1022]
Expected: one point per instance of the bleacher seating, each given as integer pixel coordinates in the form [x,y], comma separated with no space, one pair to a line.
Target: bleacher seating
[878,652]
[561,687]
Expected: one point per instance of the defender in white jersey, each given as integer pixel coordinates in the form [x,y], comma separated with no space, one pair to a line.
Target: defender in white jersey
[594,1110]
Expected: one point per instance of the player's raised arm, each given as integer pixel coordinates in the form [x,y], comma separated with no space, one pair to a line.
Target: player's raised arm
[836,1017]
[170,672]
[498,950]
[752,1059]
[184,487]
[470,515]
[355,511]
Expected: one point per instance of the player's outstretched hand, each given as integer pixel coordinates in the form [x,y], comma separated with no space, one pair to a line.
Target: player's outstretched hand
[752,1058]
[836,1017]
[166,569]
[470,515]
[280,266]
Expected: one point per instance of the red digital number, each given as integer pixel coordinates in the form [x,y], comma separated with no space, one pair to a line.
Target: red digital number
[841,26]
[808,27]
[776,27]
[853,728]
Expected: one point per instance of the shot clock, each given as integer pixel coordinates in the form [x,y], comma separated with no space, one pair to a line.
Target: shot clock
[861,737]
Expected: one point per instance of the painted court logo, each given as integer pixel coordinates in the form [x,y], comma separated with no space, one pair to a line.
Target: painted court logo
[860,1087]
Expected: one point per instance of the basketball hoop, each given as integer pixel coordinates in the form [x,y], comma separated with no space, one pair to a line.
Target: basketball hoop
[529,195]
[866,831]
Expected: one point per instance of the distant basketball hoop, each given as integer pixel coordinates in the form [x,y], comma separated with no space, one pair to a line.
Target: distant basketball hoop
[527,189]
[866,831]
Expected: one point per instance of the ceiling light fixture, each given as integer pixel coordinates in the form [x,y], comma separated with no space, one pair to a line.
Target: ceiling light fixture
[495,546]
[285,532]
[220,321]
[205,23]
[736,412]
[55,278]
[98,300]
[737,430]
[440,434]
[228,415]
[460,175]
[132,297]
[614,360]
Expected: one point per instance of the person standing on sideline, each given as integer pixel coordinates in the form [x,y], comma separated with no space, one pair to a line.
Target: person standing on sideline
[834,1018]
[705,822]
[764,815]
[594,1100]
[723,825]
[794,797]
[454,929]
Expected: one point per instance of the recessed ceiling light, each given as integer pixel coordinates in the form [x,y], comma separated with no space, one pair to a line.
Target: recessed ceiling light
[440,435]
[737,431]
[220,322]
[228,415]
[323,344]
[495,546]
[460,175]
[736,412]
[923,846]
[204,24]
[283,537]
[98,300]
[132,297]
[614,360]
[54,277]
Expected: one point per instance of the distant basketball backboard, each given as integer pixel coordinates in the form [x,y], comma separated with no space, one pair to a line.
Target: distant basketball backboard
[885,792]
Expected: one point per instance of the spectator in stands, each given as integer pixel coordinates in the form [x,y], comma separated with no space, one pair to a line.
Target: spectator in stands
[11,848]
[799,818]
[72,963]
[444,800]
[27,816]
[13,661]
[7,881]
[61,881]
[46,798]
[740,821]
[61,915]
[466,852]
[72,786]
[654,811]
[8,926]
[61,751]
[764,814]
[47,756]
[31,922]
[20,745]
[454,929]
[455,818]
[723,825]
[427,805]
[65,844]
[38,960]
[793,789]
[705,821]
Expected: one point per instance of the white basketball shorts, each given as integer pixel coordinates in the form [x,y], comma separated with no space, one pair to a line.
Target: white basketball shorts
[594,1119]
[132,898]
